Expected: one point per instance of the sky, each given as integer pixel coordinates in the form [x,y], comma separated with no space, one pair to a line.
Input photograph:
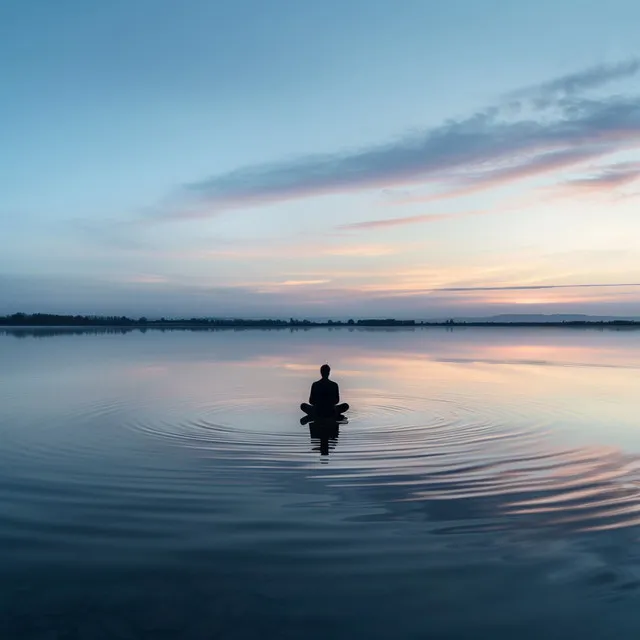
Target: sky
[343,158]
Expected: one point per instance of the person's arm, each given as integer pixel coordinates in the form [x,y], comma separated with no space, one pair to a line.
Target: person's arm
[312,394]
[337,394]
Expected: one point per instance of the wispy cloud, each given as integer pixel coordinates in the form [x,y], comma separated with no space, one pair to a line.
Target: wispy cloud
[299,283]
[543,286]
[509,205]
[570,129]
[87,295]
[419,219]
[615,175]
[573,83]
[451,293]
[363,251]
[284,250]
[470,182]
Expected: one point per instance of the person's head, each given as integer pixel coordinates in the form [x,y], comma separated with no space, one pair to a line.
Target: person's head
[325,370]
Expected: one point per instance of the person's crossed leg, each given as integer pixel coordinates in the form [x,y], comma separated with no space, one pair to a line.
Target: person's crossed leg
[326,412]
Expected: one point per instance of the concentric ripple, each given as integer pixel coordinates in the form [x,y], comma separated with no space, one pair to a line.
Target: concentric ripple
[428,449]
[502,458]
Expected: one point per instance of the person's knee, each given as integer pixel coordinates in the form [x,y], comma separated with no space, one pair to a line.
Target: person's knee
[303,406]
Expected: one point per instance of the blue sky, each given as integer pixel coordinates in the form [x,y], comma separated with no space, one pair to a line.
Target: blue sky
[409,158]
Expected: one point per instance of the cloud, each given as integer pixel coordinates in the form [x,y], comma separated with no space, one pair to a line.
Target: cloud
[615,175]
[90,295]
[285,250]
[473,182]
[397,222]
[542,286]
[382,292]
[298,283]
[574,83]
[428,218]
[364,251]
[571,129]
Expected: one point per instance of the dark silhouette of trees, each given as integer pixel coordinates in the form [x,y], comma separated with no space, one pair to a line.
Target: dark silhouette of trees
[52,320]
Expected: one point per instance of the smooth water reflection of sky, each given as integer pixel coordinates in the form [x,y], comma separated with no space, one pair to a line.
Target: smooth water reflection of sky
[585,373]
[486,482]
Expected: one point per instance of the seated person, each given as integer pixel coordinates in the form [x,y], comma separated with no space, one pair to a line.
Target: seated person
[324,398]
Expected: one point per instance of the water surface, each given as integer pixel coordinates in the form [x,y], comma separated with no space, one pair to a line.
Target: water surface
[159,484]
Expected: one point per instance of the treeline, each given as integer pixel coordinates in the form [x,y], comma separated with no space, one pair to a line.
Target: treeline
[53,320]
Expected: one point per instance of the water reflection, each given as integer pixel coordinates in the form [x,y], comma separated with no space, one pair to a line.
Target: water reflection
[324,435]
[481,460]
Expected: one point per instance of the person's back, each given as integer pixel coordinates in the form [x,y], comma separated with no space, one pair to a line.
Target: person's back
[325,395]
[324,398]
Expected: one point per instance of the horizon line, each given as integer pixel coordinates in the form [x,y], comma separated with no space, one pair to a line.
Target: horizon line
[142,319]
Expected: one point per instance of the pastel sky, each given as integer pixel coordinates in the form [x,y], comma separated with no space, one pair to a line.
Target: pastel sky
[320,159]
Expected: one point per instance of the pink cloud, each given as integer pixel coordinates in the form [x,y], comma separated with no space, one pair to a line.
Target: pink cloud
[419,219]
[543,164]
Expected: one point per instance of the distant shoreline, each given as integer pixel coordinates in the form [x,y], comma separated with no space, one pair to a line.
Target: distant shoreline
[321,325]
[42,320]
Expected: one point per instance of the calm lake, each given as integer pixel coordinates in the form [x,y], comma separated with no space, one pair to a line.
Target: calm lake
[159,484]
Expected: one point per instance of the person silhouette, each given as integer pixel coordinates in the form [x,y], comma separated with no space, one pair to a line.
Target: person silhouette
[324,399]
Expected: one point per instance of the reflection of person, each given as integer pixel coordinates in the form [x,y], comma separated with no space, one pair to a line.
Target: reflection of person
[324,399]
[327,432]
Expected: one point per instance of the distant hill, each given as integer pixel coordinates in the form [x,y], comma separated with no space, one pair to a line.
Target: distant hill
[539,317]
